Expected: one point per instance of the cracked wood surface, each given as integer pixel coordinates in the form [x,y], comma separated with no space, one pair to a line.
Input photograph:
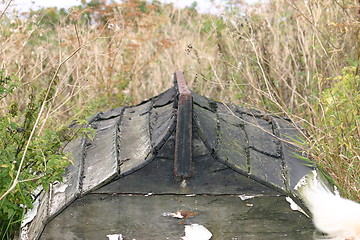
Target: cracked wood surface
[144,218]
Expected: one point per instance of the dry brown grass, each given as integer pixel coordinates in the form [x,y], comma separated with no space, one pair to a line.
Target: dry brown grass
[267,58]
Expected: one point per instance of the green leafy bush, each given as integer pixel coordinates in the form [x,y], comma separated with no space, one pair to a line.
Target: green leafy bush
[342,102]
[28,159]
[338,128]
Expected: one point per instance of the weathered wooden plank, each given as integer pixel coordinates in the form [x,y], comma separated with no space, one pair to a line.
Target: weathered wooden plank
[162,124]
[134,138]
[62,194]
[295,168]
[261,136]
[184,128]
[100,161]
[210,177]
[229,114]
[267,168]
[160,115]
[250,112]
[142,217]
[111,113]
[164,98]
[199,149]
[32,230]
[167,150]
[203,102]
[206,126]
[232,146]
[213,177]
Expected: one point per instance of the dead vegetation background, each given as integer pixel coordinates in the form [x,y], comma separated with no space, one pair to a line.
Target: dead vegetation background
[298,59]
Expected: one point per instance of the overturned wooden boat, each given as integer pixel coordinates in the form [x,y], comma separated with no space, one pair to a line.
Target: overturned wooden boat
[178,158]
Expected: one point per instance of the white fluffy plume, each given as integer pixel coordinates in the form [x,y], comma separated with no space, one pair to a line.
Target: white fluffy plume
[333,215]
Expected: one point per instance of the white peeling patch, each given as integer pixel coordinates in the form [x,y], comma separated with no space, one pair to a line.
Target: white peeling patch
[180,214]
[246,197]
[115,237]
[183,184]
[190,195]
[30,214]
[61,188]
[336,191]
[301,183]
[294,206]
[24,235]
[303,180]
[38,190]
[174,215]
[196,232]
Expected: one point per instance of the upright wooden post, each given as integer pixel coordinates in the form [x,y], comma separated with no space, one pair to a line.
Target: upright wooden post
[183,138]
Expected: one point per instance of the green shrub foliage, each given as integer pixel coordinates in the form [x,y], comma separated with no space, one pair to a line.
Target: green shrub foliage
[42,164]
